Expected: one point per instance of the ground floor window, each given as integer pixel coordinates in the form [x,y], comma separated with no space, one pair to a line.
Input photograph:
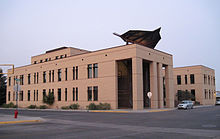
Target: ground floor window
[29,95]
[59,94]
[21,96]
[65,94]
[75,94]
[93,94]
[90,93]
[9,96]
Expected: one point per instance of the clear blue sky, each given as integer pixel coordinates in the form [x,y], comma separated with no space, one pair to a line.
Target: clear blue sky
[190,28]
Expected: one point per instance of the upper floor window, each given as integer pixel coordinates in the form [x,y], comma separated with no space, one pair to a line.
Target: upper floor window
[205,79]
[21,79]
[59,74]
[66,74]
[208,79]
[50,76]
[90,71]
[178,79]
[44,77]
[95,70]
[34,78]
[29,78]
[9,81]
[192,79]
[37,77]
[185,79]
[213,80]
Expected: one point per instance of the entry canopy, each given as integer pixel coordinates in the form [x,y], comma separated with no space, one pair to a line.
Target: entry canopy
[145,38]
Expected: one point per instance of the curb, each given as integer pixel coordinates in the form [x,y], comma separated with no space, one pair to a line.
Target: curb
[15,122]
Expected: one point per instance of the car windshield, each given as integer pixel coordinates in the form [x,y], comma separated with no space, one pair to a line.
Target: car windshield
[184,102]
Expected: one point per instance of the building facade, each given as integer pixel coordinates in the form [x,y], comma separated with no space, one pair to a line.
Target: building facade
[121,76]
[198,80]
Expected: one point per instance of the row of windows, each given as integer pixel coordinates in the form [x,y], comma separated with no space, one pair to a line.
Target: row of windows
[192,79]
[208,79]
[92,94]
[209,94]
[49,59]
[92,73]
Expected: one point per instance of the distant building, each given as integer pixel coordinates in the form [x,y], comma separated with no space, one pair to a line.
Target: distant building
[198,80]
[217,95]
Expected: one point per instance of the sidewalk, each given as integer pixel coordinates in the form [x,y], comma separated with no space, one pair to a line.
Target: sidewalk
[9,119]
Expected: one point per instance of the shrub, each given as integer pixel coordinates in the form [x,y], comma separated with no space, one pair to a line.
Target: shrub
[10,105]
[101,106]
[49,99]
[43,107]
[32,107]
[74,106]
[65,107]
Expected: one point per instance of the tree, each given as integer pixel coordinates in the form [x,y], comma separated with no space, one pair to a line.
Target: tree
[49,99]
[3,85]
[184,95]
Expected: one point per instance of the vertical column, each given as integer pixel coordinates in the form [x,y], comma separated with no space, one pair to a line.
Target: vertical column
[115,72]
[137,81]
[169,86]
[160,85]
[153,84]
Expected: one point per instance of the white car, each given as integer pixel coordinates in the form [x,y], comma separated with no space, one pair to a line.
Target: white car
[217,102]
[185,104]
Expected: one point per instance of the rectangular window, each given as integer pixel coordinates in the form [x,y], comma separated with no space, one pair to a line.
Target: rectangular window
[76,72]
[53,92]
[205,93]
[21,79]
[13,96]
[50,76]
[37,96]
[37,77]
[59,94]
[95,70]
[205,79]
[14,80]
[29,95]
[89,93]
[95,93]
[34,95]
[90,71]
[193,95]
[185,79]
[29,78]
[192,79]
[21,96]
[66,74]
[208,79]
[65,94]
[59,74]
[213,80]
[178,79]
[44,77]
[76,93]
[73,73]
[209,94]
[9,96]
[73,94]
[9,81]
[34,78]
[44,93]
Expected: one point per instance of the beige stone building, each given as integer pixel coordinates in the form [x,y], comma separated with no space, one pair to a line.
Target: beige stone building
[121,76]
[199,80]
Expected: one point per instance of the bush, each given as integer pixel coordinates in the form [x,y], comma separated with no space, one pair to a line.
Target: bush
[74,106]
[101,106]
[43,107]
[10,105]
[65,107]
[49,99]
[32,107]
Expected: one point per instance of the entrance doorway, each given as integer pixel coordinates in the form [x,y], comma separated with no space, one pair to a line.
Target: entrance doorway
[146,82]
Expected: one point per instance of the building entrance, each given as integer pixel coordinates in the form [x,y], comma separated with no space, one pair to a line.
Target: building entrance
[146,82]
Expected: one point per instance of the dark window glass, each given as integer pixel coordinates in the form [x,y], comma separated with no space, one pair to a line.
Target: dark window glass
[41,61]
[185,79]
[76,72]
[95,93]
[95,70]
[209,94]
[37,96]
[59,74]
[44,77]
[29,95]
[205,78]
[208,79]
[66,74]
[9,96]
[35,62]
[193,95]
[46,60]
[37,77]
[90,71]
[50,76]
[21,79]
[73,73]
[34,95]
[76,93]
[34,78]
[53,92]
[57,57]
[89,93]
[192,79]
[44,93]
[73,94]
[21,96]
[65,94]
[178,79]
[59,94]
[9,81]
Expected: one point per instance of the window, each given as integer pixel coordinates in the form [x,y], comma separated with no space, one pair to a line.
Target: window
[66,74]
[65,55]
[29,78]
[95,93]
[44,93]
[208,79]
[213,80]
[29,95]
[9,81]
[59,74]
[9,96]
[178,79]
[205,94]
[34,95]
[41,61]
[73,73]
[14,80]
[53,92]
[37,96]
[21,96]
[34,78]
[49,59]
[65,94]
[192,79]
[185,79]
[76,93]
[205,79]
[73,94]
[44,77]
[193,97]
[52,75]
[13,96]
[35,62]
[59,94]
[46,60]
[21,79]
[57,57]
[90,71]
[76,72]
[37,77]
[61,56]
[89,93]
[95,70]
[209,94]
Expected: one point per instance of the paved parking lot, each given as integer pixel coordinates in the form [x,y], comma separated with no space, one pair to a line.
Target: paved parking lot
[196,123]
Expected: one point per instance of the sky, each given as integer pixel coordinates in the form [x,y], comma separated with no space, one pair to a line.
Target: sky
[189,28]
